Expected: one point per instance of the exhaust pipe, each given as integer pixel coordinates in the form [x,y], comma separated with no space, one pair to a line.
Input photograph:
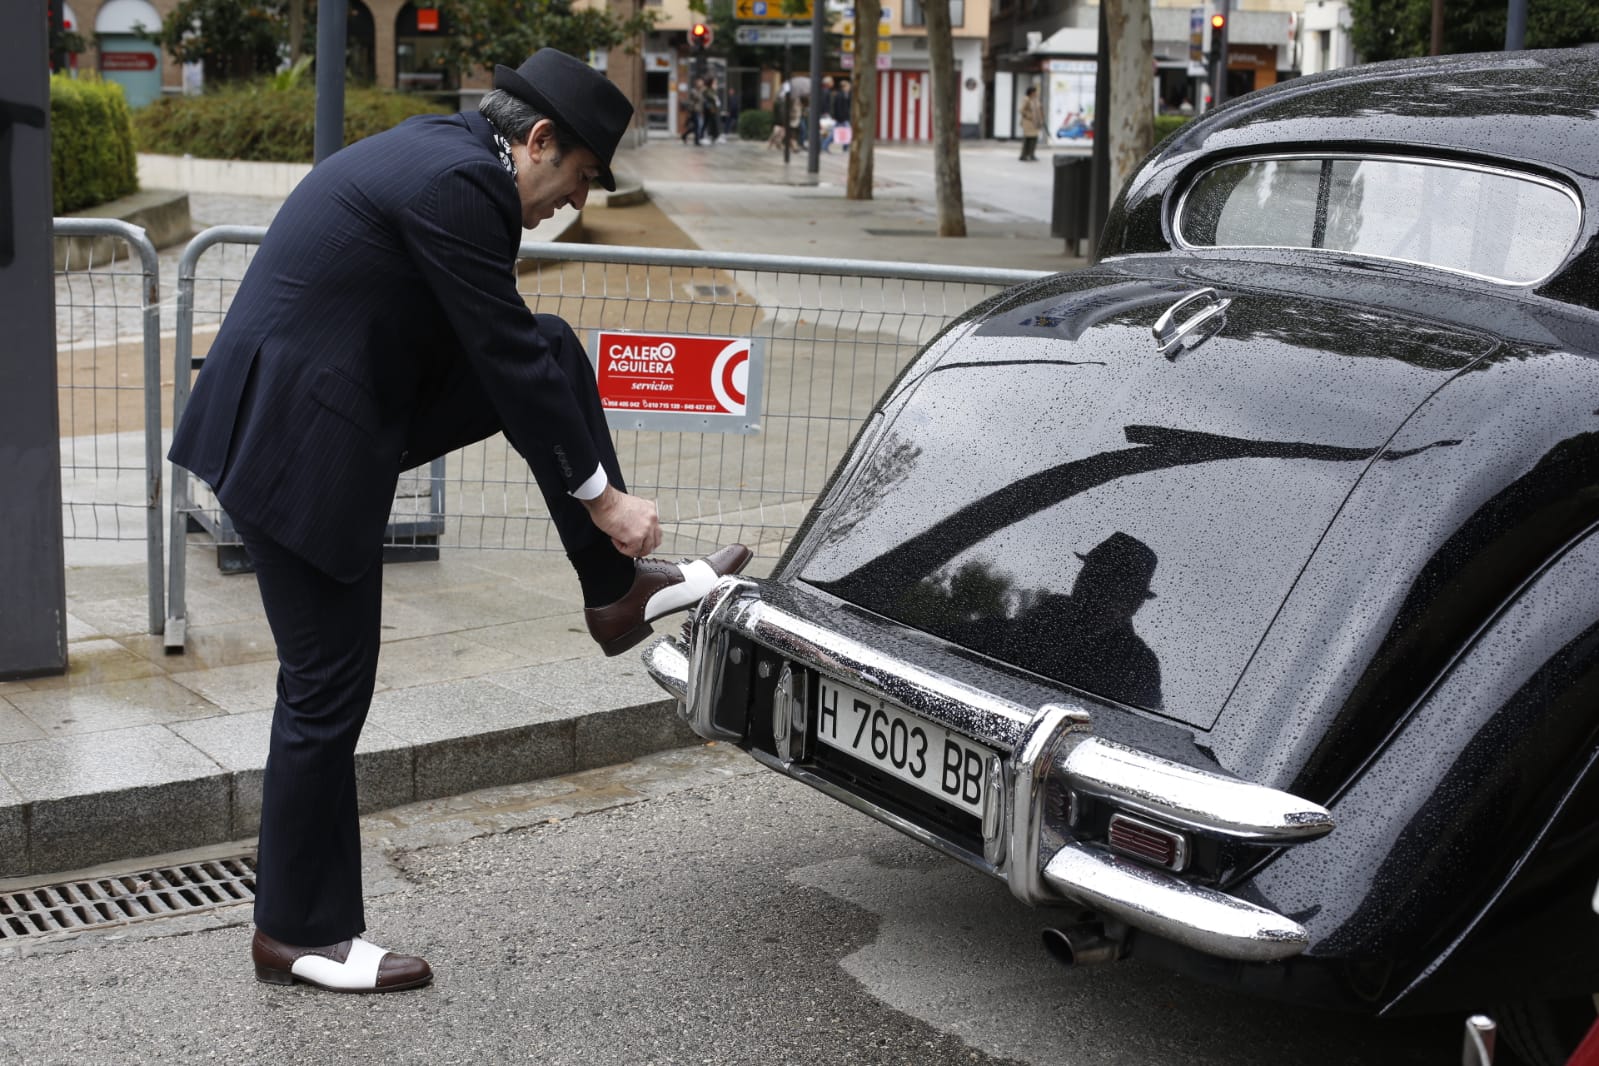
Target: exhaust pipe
[1083,944]
[1479,1049]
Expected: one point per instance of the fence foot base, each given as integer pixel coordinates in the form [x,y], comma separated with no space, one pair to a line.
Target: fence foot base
[172,636]
[233,559]
[412,553]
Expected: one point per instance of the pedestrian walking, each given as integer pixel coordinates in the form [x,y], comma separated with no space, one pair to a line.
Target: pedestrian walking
[825,121]
[711,108]
[378,327]
[798,109]
[778,138]
[1032,124]
[841,101]
[695,127]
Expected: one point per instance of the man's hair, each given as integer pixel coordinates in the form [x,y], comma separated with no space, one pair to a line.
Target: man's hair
[514,117]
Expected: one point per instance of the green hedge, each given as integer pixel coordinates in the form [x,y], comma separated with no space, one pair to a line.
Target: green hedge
[260,123]
[754,124]
[1166,125]
[91,143]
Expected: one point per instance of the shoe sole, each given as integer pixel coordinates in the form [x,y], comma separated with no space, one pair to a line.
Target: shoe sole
[632,638]
[268,976]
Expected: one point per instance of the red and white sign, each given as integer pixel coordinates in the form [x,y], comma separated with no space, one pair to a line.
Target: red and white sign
[672,373]
[127,60]
[427,19]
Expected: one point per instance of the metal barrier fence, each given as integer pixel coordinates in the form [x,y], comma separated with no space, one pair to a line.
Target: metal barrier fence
[833,333]
[108,353]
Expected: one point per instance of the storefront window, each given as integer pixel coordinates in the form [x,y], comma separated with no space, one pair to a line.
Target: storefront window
[915,16]
[359,57]
[419,35]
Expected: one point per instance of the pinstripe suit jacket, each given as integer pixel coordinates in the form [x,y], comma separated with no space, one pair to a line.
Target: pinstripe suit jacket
[387,272]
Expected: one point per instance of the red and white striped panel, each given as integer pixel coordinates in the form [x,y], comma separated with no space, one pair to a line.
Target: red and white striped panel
[904,105]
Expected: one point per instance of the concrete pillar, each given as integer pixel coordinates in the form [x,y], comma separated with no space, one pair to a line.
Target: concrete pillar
[33,595]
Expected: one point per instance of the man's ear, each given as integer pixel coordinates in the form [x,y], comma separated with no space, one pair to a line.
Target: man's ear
[541,136]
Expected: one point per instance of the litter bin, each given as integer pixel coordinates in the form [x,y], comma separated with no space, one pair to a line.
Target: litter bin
[1068,215]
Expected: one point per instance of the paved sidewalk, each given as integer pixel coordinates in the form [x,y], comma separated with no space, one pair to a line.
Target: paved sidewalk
[487,675]
[742,197]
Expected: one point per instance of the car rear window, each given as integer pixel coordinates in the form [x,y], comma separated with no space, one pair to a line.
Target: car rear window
[1492,223]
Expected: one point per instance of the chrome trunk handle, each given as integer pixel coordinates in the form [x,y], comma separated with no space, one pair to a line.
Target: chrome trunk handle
[1171,334]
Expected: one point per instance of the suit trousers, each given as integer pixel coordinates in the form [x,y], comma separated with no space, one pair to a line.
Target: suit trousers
[308,877]
[308,867]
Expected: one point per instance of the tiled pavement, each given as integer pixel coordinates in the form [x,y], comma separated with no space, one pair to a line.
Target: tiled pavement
[487,676]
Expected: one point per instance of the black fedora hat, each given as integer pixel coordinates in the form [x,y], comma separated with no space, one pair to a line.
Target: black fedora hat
[581,100]
[1124,557]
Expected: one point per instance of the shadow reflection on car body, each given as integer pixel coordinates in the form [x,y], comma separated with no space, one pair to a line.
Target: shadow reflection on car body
[1092,640]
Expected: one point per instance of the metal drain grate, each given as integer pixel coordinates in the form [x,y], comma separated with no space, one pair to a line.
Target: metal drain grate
[167,890]
[704,292]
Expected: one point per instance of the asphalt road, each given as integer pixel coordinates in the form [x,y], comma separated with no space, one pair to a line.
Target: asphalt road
[687,909]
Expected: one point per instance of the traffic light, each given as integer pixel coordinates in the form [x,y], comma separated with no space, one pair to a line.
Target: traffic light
[1218,54]
[699,37]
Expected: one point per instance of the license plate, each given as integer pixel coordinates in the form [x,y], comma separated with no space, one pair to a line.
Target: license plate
[928,756]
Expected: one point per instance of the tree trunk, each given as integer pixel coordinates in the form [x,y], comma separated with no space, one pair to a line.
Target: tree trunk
[863,101]
[946,119]
[1132,88]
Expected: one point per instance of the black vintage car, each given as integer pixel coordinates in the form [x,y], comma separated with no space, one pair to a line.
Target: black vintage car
[1240,594]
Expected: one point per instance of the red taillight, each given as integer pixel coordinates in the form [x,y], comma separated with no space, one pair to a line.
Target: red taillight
[1164,847]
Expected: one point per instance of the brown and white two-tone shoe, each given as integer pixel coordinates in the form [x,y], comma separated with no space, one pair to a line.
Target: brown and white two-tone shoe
[353,965]
[659,588]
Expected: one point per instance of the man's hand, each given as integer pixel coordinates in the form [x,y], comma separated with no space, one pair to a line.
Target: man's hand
[630,521]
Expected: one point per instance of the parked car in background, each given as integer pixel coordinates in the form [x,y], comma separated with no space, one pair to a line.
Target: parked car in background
[1239,594]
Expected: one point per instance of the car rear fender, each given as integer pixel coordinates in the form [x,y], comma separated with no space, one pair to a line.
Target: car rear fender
[1467,826]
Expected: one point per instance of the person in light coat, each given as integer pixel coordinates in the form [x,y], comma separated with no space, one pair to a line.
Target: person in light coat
[1032,124]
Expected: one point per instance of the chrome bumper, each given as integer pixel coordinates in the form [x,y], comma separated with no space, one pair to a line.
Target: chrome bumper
[667,662]
[1050,743]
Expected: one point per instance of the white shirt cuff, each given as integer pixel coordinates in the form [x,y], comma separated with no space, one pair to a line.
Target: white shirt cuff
[595,485]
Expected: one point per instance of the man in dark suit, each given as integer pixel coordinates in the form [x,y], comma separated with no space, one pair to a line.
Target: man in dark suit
[379,327]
